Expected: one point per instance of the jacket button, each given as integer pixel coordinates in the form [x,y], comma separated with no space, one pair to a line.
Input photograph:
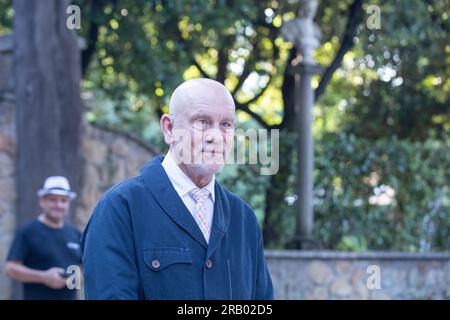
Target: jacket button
[209,264]
[156,264]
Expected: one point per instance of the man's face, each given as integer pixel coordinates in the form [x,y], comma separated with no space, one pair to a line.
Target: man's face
[203,134]
[55,207]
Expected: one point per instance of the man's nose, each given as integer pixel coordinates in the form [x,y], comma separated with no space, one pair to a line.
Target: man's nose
[213,135]
[60,204]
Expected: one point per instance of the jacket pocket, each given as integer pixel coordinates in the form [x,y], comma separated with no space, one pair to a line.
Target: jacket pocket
[168,274]
[157,259]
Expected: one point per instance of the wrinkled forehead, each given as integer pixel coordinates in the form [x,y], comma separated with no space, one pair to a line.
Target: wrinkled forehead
[194,96]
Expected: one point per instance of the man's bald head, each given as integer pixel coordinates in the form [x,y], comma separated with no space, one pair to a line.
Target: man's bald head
[200,91]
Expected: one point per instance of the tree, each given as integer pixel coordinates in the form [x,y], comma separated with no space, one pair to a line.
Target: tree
[48,114]
[409,94]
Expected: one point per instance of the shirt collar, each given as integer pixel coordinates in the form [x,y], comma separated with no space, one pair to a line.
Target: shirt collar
[180,180]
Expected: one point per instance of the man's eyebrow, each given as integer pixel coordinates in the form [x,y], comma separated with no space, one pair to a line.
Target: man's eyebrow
[229,119]
[200,115]
[204,115]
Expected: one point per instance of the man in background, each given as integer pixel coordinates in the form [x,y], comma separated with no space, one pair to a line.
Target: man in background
[44,248]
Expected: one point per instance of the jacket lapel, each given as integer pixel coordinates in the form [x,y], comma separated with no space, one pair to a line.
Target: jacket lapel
[157,181]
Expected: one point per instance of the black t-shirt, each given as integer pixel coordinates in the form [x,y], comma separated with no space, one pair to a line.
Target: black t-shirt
[41,247]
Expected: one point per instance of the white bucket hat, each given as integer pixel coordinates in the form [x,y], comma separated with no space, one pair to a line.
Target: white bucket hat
[57,185]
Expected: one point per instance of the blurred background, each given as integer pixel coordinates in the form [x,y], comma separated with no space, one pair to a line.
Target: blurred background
[82,94]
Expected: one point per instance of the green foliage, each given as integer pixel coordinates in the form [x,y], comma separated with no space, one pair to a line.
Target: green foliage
[6,16]
[352,243]
[144,52]
[236,179]
[395,80]
[280,196]
[385,194]
[388,194]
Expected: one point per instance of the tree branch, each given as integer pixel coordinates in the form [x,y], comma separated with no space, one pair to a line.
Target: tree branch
[222,61]
[354,19]
[254,115]
[260,93]
[159,112]
[86,55]
[247,66]
[288,92]
[197,65]
[435,16]
[254,57]
[92,37]
[245,105]
[181,40]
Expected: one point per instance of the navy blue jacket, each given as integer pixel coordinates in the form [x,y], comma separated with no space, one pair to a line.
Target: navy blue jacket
[142,243]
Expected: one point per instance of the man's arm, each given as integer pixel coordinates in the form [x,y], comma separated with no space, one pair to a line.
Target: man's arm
[51,277]
[109,261]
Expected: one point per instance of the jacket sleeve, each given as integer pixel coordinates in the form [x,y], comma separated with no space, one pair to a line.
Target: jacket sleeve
[264,288]
[109,260]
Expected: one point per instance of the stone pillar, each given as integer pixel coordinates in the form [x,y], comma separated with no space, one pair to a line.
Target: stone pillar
[305,35]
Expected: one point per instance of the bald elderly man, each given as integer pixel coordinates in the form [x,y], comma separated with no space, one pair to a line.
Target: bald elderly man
[173,232]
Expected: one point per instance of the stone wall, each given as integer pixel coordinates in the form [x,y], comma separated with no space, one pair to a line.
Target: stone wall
[108,158]
[345,275]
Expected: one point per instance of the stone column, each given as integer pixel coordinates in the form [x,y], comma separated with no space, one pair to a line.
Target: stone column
[305,35]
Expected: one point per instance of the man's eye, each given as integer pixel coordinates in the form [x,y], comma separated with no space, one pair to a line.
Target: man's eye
[201,123]
[227,124]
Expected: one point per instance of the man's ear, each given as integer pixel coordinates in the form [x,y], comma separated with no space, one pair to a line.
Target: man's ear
[166,128]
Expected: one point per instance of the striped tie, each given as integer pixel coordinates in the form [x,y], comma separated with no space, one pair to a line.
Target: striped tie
[200,197]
